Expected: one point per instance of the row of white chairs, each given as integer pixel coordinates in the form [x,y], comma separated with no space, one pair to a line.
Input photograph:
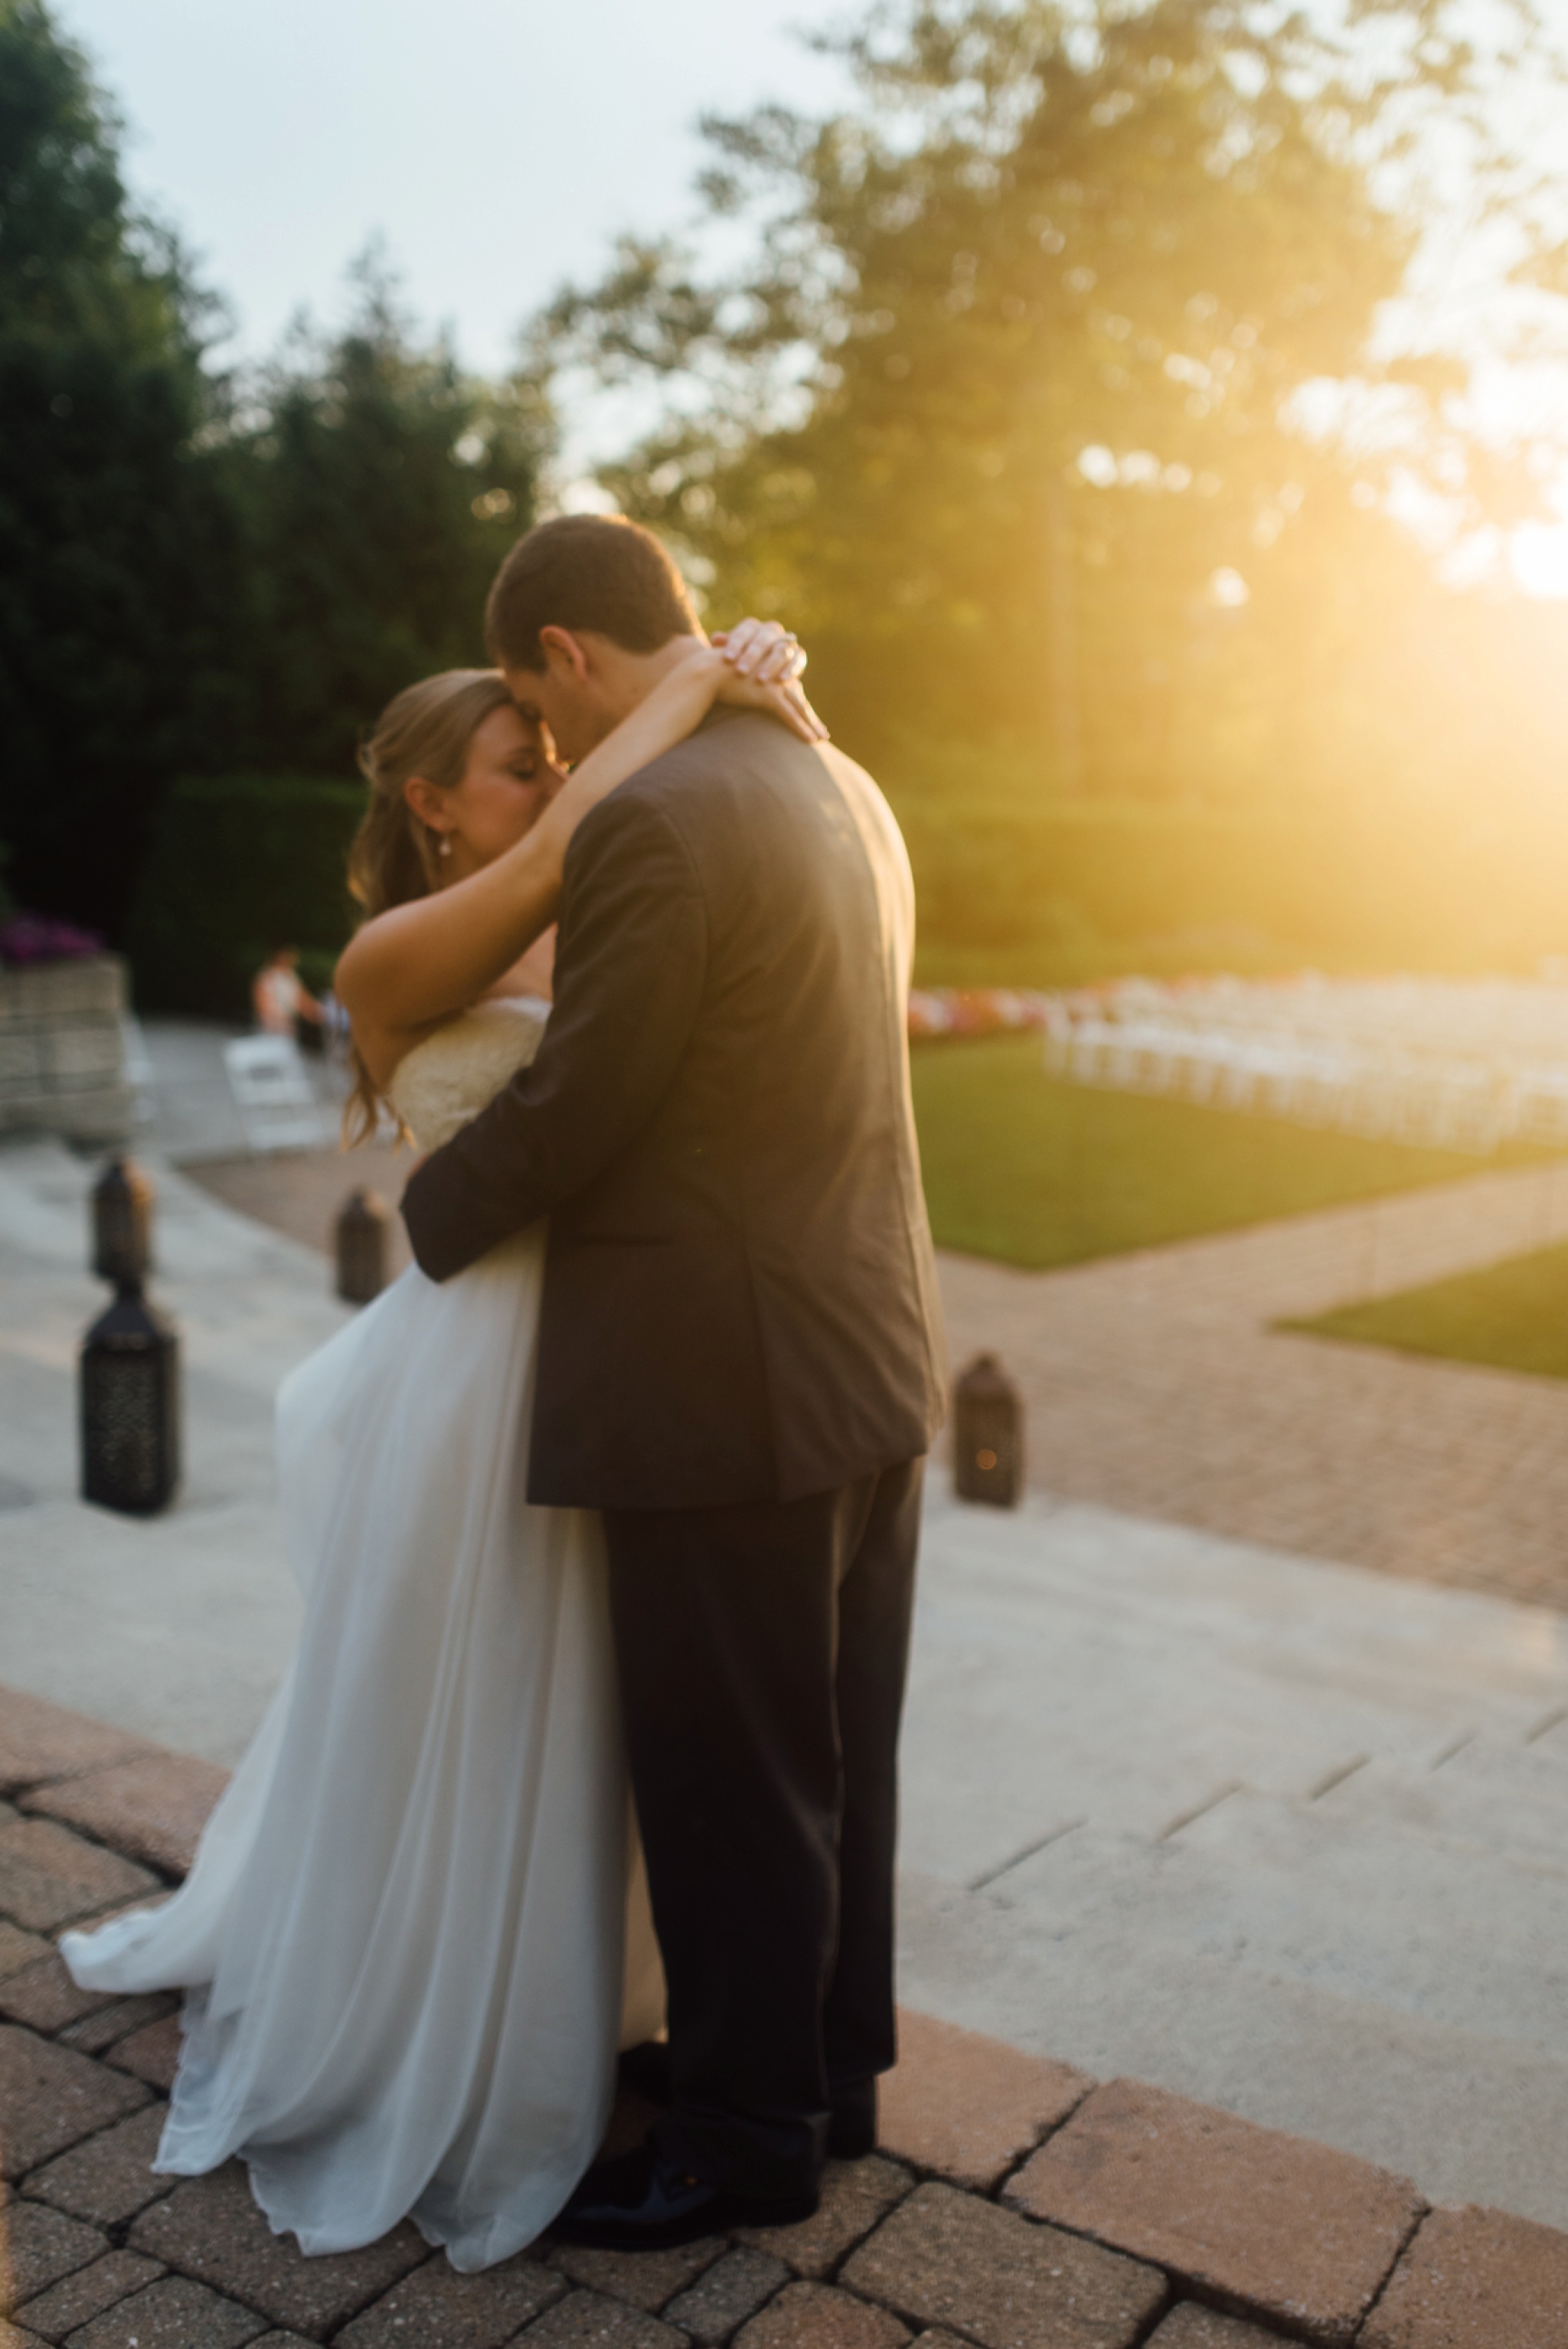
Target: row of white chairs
[1486,1018]
[1386,1093]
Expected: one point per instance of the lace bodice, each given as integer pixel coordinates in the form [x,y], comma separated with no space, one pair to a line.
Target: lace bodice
[448,1078]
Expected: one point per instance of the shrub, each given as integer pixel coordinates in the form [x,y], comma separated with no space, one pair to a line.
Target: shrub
[238,865]
[1042,892]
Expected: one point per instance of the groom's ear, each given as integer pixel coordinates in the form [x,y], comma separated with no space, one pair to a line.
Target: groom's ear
[564,653]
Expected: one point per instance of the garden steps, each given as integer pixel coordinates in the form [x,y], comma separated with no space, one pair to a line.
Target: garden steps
[1491,1797]
[1235,1869]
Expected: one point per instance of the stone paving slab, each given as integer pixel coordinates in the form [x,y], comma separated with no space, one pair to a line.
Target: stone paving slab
[950,2258]
[172,2313]
[1007,2102]
[855,2195]
[152,2053]
[151,1806]
[816,2316]
[211,2229]
[107,2026]
[51,2098]
[54,1879]
[726,2294]
[89,2293]
[434,2308]
[1193,2326]
[42,2246]
[41,1744]
[108,2178]
[588,2320]
[44,1996]
[1475,2280]
[646,2279]
[19,1951]
[1269,2223]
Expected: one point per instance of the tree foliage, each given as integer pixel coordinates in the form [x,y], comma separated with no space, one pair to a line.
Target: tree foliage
[1033,407]
[111,533]
[203,573]
[380,489]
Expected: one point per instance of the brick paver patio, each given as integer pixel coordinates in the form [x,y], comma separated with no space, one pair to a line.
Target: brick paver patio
[1155,1383]
[1015,2203]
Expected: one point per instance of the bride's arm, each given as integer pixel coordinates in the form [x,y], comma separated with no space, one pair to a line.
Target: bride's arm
[417,963]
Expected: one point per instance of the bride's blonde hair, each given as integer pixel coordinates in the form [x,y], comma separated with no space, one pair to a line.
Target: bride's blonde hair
[424,730]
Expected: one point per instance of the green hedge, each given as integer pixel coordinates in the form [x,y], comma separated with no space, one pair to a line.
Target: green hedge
[1043,892]
[236,865]
[1009,889]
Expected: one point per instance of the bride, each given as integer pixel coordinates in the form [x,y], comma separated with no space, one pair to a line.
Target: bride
[417,1931]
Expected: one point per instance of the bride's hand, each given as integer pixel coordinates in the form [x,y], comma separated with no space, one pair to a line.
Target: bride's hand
[762,668]
[762,649]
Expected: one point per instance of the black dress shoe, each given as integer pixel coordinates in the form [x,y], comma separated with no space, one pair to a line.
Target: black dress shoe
[853,2129]
[639,2203]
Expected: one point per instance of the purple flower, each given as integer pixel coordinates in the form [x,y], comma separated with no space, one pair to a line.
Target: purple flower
[38,938]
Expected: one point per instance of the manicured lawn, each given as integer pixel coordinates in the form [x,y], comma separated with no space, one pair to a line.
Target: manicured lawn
[1038,1172]
[1513,1316]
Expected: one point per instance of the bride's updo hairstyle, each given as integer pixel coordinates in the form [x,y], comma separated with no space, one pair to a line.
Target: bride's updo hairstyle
[424,730]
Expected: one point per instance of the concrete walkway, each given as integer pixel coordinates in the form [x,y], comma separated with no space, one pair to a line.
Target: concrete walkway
[177,1628]
[1285,1836]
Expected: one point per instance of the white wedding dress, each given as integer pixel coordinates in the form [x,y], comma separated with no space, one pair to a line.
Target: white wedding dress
[417,1929]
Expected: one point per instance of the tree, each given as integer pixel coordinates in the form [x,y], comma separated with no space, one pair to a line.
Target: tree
[199,574]
[113,538]
[381,488]
[1008,411]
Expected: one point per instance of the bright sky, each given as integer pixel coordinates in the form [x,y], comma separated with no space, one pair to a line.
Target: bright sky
[496,146]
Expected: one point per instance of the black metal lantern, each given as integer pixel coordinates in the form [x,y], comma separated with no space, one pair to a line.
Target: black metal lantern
[129,1371]
[130,1407]
[122,1223]
[362,1226]
[987,1436]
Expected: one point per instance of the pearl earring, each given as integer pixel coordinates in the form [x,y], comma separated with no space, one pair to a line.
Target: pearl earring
[443,846]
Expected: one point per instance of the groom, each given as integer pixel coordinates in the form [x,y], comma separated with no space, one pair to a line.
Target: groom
[739,1363]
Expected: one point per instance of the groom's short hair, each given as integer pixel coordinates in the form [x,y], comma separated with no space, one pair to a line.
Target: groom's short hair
[596,572]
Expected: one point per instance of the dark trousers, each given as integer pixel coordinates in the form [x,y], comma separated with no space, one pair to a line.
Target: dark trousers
[762,1654]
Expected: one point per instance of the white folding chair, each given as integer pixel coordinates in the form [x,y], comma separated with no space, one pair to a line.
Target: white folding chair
[1540,1112]
[273,1092]
[137,1063]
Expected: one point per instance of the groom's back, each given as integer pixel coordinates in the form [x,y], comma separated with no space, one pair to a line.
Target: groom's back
[741,1305]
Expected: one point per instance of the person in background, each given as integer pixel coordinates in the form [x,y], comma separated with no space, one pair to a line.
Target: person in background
[280,997]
